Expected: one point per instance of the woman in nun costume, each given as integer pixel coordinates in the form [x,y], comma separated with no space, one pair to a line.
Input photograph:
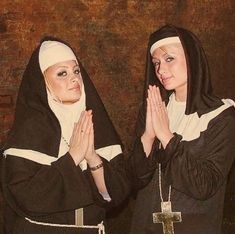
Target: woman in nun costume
[185,141]
[63,162]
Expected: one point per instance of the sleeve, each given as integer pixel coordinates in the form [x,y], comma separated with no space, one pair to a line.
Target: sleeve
[199,167]
[39,189]
[141,168]
[116,181]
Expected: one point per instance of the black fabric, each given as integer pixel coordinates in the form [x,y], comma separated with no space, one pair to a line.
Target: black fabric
[33,116]
[51,193]
[200,97]
[196,169]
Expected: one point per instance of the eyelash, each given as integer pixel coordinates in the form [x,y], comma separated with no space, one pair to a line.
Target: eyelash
[168,60]
[64,73]
[156,64]
[77,71]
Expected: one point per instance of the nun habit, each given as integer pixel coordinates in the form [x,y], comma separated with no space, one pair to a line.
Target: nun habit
[196,161]
[42,186]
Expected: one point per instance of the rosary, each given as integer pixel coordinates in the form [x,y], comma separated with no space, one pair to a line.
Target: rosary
[65,141]
[166,217]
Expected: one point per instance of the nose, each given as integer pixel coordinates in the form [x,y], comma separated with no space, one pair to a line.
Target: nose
[161,69]
[74,78]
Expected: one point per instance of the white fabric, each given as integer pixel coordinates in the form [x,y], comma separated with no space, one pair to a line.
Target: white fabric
[164,41]
[32,155]
[52,52]
[67,115]
[100,226]
[191,126]
[108,152]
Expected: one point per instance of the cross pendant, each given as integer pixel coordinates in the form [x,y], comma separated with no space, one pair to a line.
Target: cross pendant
[167,217]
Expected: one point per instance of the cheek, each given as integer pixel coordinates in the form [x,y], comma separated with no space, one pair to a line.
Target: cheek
[157,75]
[180,69]
[183,63]
[183,69]
[80,81]
[58,86]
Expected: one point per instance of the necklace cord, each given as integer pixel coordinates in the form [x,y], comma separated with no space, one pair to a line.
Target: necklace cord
[160,185]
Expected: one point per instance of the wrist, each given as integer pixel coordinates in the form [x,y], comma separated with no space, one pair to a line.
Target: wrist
[74,156]
[147,143]
[146,138]
[93,160]
[166,138]
[96,167]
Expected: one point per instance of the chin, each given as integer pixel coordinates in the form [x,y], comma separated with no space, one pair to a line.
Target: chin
[168,87]
[71,100]
[75,97]
[75,100]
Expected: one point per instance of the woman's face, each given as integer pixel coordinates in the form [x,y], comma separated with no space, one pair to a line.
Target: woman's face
[64,81]
[170,67]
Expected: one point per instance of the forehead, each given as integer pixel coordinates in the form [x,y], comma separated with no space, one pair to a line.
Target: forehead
[175,49]
[69,63]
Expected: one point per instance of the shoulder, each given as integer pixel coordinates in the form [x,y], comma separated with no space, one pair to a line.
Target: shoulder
[220,118]
[225,119]
[227,108]
[224,113]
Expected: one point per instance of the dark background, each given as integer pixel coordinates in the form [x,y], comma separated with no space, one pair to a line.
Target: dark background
[110,38]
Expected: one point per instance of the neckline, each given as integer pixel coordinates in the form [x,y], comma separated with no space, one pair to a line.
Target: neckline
[179,103]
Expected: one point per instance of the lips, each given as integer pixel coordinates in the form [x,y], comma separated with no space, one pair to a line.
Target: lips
[165,79]
[77,87]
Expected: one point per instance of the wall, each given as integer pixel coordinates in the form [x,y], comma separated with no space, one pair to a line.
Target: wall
[111,38]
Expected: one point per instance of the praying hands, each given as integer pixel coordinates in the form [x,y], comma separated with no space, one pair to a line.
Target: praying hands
[82,141]
[82,147]
[157,123]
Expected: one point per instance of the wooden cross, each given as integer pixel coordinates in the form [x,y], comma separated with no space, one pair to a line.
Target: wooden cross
[167,217]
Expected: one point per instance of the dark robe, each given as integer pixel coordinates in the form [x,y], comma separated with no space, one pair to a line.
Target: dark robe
[197,167]
[50,193]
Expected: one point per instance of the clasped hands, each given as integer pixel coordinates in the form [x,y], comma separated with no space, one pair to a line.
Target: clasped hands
[157,122]
[82,140]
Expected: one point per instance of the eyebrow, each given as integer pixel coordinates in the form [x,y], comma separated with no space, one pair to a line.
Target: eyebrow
[64,66]
[165,54]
